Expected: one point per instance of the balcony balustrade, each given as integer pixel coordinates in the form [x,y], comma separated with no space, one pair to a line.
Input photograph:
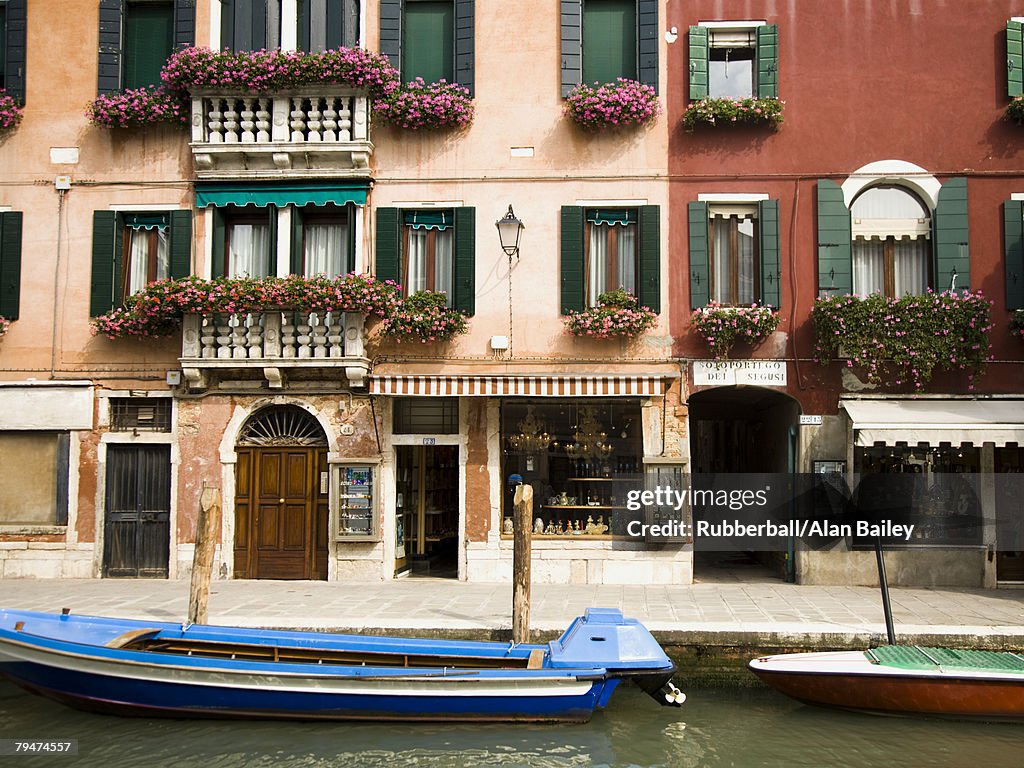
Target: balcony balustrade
[299,134]
[324,345]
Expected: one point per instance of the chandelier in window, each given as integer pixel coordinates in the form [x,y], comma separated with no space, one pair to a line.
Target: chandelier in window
[591,441]
[533,436]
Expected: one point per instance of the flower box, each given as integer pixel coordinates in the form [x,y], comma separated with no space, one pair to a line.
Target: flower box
[420,106]
[425,317]
[10,113]
[720,327]
[1017,324]
[903,341]
[719,112]
[624,103]
[618,313]
[5,325]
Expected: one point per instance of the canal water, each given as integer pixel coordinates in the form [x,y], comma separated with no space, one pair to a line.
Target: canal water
[745,728]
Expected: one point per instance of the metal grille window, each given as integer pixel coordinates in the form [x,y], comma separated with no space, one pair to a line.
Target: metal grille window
[426,415]
[133,414]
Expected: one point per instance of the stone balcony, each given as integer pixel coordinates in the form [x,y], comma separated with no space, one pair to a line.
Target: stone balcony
[299,134]
[273,345]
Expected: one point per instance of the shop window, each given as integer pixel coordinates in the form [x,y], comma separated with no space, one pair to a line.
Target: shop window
[426,415]
[581,458]
[34,480]
[935,488]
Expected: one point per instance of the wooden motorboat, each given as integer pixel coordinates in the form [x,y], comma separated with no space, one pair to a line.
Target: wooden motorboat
[903,679]
[159,669]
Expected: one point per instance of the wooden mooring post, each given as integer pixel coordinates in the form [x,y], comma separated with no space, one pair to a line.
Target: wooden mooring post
[207,536]
[521,553]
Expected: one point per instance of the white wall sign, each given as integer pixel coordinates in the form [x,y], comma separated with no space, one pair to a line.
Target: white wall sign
[719,373]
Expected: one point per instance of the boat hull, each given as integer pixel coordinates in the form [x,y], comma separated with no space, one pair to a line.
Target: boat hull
[82,662]
[848,680]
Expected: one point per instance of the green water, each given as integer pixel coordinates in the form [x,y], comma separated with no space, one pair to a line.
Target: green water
[743,728]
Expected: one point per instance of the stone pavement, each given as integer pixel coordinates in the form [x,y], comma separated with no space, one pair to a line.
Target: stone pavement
[763,613]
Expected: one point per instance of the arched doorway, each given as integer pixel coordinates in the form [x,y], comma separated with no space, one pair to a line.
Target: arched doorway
[281,496]
[742,430]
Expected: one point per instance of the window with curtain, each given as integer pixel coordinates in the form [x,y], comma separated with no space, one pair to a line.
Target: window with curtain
[891,230]
[731,63]
[734,259]
[610,254]
[609,40]
[428,40]
[248,247]
[147,251]
[428,252]
[325,243]
[148,41]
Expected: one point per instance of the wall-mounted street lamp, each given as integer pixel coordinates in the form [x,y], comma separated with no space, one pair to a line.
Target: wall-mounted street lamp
[509,230]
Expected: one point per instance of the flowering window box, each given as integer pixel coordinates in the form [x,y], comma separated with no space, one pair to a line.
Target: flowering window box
[618,313]
[724,112]
[720,327]
[624,103]
[424,317]
[903,341]
[10,113]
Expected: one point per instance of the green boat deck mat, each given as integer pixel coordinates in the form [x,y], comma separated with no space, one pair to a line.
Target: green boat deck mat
[919,657]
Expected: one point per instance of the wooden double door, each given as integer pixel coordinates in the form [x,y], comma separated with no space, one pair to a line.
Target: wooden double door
[281,513]
[137,527]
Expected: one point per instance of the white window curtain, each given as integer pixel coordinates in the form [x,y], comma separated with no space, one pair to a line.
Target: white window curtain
[249,254]
[139,256]
[911,266]
[868,267]
[627,259]
[443,257]
[598,266]
[417,260]
[326,249]
[725,258]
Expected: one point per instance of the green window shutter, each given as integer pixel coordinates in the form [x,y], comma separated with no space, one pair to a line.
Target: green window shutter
[272,237]
[1013,246]
[350,259]
[698,63]
[218,245]
[647,42]
[391,31]
[465,43]
[148,41]
[108,78]
[184,23]
[243,24]
[700,264]
[950,239]
[14,50]
[649,282]
[106,263]
[10,264]
[428,41]
[771,272]
[572,44]
[327,24]
[835,241]
[1014,58]
[767,61]
[609,40]
[388,254]
[572,259]
[181,244]
[296,259]
[464,272]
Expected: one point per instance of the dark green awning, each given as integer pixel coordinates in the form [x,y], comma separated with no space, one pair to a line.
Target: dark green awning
[262,195]
[429,219]
[612,216]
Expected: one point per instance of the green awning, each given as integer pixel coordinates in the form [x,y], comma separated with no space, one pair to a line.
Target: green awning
[146,220]
[612,216]
[429,219]
[262,195]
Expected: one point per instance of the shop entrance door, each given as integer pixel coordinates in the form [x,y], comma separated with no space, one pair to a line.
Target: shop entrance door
[427,510]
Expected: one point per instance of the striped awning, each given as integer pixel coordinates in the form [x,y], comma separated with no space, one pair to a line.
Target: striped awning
[409,385]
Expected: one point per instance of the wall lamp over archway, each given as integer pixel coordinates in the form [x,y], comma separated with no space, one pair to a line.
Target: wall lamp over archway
[509,230]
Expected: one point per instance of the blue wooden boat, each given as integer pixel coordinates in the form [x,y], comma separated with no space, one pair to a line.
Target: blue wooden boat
[159,669]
